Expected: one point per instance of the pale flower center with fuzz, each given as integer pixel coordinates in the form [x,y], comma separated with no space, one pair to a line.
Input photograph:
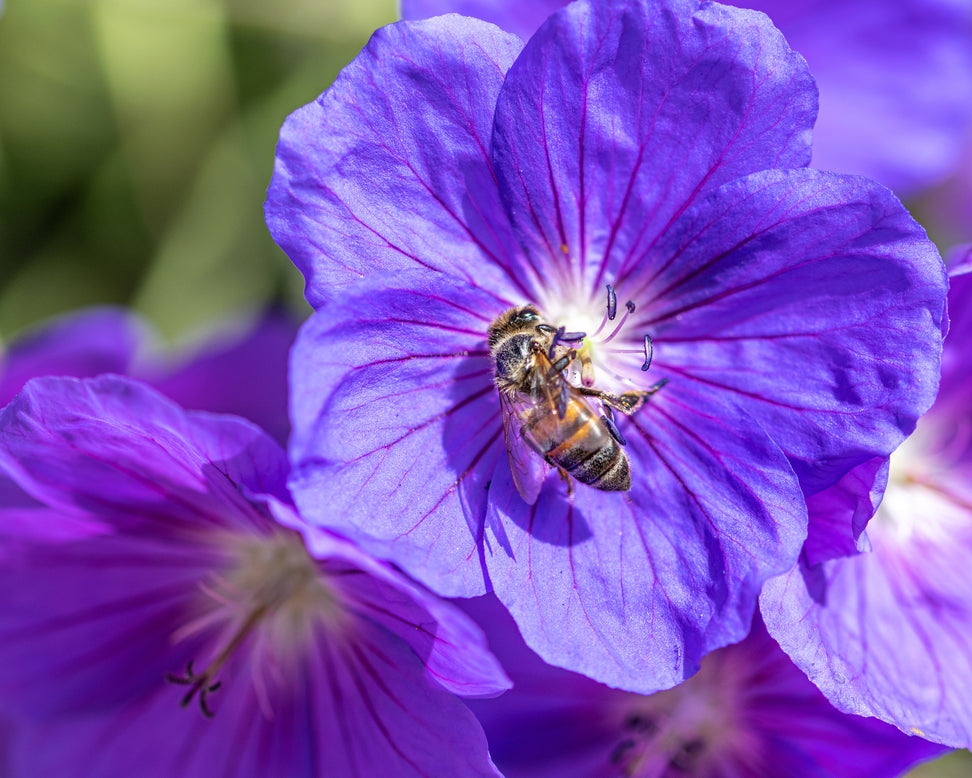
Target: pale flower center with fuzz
[270,595]
[684,729]
[924,496]
[613,347]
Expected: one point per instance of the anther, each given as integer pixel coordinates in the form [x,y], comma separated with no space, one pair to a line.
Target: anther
[649,352]
[612,304]
[198,683]
[630,306]
[573,337]
[613,429]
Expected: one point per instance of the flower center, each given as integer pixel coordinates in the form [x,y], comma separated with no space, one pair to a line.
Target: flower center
[613,342]
[683,729]
[271,588]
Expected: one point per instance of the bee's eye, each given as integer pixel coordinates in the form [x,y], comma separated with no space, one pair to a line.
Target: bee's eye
[528,316]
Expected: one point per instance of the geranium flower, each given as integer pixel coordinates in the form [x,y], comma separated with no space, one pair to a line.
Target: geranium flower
[889,633]
[652,147]
[239,367]
[895,78]
[184,622]
[748,712]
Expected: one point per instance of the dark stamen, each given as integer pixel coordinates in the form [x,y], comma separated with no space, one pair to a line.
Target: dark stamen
[649,352]
[630,306]
[612,303]
[198,684]
[554,341]
[615,432]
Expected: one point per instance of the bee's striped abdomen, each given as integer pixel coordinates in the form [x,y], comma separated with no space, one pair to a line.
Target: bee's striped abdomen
[581,444]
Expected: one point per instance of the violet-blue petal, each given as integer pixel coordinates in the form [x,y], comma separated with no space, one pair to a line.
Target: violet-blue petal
[633,590]
[815,301]
[389,168]
[450,644]
[241,369]
[108,605]
[94,341]
[839,514]
[618,115]
[397,424]
[895,83]
[71,445]
[749,712]
[362,710]
[523,18]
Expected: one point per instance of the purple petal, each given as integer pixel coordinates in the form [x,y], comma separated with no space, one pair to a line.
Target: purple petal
[87,622]
[397,424]
[452,647]
[352,710]
[633,589]
[839,514]
[618,115]
[115,449]
[518,17]
[84,344]
[749,712]
[895,83]
[241,370]
[814,301]
[388,169]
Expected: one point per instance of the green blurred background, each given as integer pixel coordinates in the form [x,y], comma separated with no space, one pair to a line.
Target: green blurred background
[136,144]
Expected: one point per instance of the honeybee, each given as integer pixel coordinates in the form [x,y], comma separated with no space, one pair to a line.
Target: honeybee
[547,421]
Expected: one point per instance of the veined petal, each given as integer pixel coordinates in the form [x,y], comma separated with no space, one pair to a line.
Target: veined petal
[813,300]
[748,712]
[73,444]
[634,589]
[618,115]
[521,18]
[98,340]
[450,644]
[397,424]
[389,168]
[895,83]
[108,604]
[357,711]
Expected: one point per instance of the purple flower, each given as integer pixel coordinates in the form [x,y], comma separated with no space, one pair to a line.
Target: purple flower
[889,633]
[238,368]
[654,147]
[748,712]
[895,78]
[179,556]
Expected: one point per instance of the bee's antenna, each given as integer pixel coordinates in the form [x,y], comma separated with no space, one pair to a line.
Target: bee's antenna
[649,352]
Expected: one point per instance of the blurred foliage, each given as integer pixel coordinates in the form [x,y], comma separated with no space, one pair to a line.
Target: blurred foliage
[136,144]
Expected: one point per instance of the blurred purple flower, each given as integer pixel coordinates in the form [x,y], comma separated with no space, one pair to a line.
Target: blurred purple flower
[889,633]
[178,555]
[239,367]
[895,78]
[796,313]
[748,712]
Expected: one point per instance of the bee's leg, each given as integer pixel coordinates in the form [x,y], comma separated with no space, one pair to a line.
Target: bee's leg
[627,402]
[568,479]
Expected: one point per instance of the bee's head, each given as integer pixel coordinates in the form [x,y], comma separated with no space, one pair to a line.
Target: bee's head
[522,319]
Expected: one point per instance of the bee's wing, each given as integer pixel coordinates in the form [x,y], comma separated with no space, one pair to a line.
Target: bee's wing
[528,467]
